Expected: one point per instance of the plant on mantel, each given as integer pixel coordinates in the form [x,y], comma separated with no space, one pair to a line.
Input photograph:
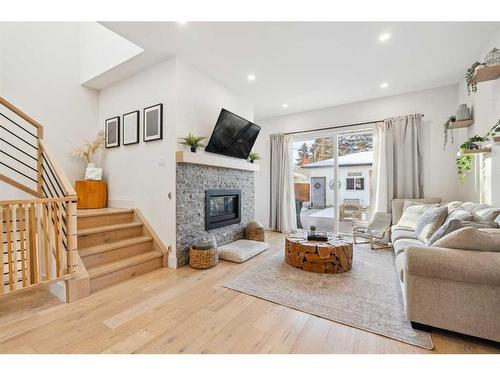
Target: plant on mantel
[253,156]
[193,141]
[464,161]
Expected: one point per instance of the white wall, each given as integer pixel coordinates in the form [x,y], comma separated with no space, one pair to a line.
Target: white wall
[40,75]
[101,49]
[436,104]
[200,100]
[485,104]
[142,175]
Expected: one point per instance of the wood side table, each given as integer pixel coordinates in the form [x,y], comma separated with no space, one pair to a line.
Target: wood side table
[321,257]
[91,194]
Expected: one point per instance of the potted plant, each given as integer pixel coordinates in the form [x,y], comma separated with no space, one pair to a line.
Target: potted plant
[193,141]
[446,129]
[86,152]
[464,162]
[253,156]
[471,86]
[312,230]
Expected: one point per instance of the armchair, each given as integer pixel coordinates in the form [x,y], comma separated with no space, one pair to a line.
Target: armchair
[376,231]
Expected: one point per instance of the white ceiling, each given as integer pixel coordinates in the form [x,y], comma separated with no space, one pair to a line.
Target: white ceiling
[311,65]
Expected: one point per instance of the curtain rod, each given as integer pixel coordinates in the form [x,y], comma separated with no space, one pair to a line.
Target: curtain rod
[335,127]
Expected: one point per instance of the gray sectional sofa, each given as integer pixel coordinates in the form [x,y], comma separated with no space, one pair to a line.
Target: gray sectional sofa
[452,289]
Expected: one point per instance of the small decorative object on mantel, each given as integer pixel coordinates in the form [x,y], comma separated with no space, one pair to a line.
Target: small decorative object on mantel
[320,237]
[493,57]
[471,86]
[254,231]
[312,230]
[463,113]
[87,152]
[253,156]
[193,141]
[203,255]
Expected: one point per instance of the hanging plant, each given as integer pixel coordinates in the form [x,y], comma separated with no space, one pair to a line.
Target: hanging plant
[446,129]
[471,86]
[464,162]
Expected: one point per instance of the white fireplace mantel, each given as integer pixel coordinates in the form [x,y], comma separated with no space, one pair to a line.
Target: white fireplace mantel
[205,158]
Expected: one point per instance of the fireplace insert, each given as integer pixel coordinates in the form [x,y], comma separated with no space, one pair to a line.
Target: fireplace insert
[222,208]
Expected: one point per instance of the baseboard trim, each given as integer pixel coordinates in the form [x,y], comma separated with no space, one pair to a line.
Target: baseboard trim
[172,261]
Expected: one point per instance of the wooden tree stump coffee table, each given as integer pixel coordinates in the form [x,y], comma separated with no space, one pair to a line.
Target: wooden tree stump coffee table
[323,257]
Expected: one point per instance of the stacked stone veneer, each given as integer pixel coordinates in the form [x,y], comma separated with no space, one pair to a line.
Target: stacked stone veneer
[192,181]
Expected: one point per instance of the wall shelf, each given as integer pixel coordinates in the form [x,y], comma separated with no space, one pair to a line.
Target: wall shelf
[487,73]
[460,124]
[206,158]
[496,139]
[478,151]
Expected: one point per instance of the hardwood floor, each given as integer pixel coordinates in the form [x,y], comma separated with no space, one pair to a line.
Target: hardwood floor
[189,311]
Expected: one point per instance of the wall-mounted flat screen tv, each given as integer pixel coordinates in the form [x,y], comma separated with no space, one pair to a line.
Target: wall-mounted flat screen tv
[233,136]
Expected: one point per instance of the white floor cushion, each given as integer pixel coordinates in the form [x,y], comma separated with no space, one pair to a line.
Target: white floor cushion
[241,250]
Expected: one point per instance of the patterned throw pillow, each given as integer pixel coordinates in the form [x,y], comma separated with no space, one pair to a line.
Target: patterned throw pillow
[455,224]
[429,222]
[411,215]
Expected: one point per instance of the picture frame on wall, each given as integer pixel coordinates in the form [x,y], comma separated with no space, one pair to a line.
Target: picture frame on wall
[112,132]
[153,123]
[130,128]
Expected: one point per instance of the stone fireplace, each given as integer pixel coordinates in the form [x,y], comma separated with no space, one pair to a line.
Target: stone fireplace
[212,200]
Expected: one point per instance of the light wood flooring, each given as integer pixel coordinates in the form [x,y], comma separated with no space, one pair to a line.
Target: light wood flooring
[189,311]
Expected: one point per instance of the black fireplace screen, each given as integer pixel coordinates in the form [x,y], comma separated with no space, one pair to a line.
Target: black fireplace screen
[222,208]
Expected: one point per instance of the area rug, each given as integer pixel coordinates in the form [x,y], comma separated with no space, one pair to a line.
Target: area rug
[368,297]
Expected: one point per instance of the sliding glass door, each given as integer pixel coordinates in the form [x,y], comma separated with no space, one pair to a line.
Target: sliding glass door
[332,179]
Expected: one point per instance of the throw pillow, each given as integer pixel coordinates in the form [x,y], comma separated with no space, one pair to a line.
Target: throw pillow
[450,226]
[411,215]
[471,239]
[429,222]
[486,214]
[452,205]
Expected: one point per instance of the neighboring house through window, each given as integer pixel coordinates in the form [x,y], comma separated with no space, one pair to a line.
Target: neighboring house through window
[355,183]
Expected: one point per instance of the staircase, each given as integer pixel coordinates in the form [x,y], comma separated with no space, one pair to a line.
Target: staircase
[44,239]
[115,245]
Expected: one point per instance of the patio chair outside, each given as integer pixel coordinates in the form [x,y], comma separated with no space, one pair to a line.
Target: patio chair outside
[376,231]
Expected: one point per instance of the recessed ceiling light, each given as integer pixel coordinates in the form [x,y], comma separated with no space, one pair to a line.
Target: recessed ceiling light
[384,85]
[251,77]
[384,37]
[181,22]
[284,105]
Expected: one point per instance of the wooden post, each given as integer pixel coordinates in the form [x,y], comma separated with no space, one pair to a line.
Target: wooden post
[39,162]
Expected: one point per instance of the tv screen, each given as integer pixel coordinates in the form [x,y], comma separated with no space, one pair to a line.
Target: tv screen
[233,136]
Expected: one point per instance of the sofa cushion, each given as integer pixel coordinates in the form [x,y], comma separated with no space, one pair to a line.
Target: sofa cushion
[402,244]
[452,205]
[471,206]
[411,214]
[486,214]
[429,222]
[458,214]
[397,206]
[471,239]
[402,233]
[241,250]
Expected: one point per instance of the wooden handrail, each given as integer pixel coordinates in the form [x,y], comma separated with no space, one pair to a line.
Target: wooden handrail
[66,185]
[40,200]
[24,116]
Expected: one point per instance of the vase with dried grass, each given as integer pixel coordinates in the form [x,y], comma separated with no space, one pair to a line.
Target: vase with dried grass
[87,152]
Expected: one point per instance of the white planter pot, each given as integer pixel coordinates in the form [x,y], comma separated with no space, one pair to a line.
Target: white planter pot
[93,173]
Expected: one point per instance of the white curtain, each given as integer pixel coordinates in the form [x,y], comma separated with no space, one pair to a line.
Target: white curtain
[397,157]
[282,216]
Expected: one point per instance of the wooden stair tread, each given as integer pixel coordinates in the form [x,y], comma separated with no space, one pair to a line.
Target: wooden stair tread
[97,249]
[103,212]
[122,264]
[108,228]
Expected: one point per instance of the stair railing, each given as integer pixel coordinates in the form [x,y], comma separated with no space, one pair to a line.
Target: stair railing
[38,236]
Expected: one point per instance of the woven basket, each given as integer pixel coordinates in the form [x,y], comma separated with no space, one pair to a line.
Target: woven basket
[203,259]
[255,234]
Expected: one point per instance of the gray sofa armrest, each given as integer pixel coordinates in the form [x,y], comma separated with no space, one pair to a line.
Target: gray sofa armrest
[476,267]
